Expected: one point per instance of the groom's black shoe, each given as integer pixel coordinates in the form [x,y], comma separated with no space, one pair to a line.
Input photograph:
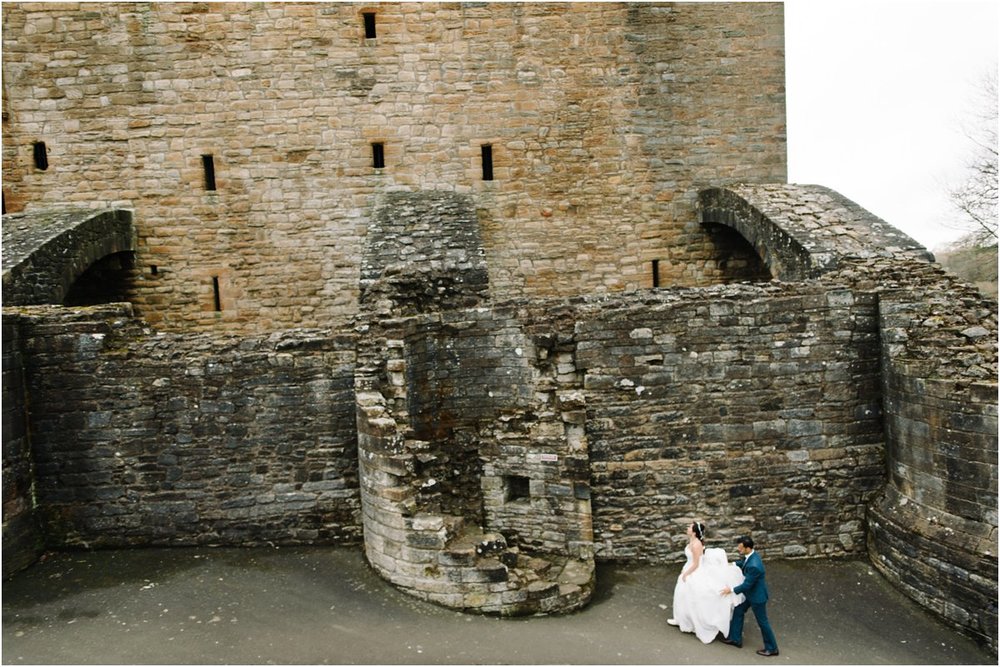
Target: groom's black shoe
[767,654]
[727,640]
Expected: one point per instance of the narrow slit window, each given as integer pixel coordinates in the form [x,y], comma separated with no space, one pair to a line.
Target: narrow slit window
[154,269]
[378,155]
[487,162]
[216,294]
[41,155]
[656,272]
[369,19]
[208,162]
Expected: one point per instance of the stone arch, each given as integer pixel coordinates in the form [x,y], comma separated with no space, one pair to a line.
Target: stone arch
[802,231]
[736,258]
[46,252]
[781,253]
[107,280]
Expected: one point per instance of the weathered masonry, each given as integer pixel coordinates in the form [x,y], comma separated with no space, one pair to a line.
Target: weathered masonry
[492,291]
[599,139]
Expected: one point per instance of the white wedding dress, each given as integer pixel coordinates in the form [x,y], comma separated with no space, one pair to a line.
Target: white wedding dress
[698,606]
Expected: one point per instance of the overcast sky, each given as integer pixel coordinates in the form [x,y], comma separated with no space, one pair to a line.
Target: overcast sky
[878,98]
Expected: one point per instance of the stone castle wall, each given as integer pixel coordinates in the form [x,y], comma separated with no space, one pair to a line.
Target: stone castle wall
[750,408]
[939,378]
[604,119]
[739,405]
[141,438]
[22,540]
[232,413]
[778,409]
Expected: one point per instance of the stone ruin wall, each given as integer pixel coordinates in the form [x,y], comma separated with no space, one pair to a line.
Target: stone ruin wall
[689,413]
[22,540]
[600,138]
[475,488]
[140,437]
[940,395]
[742,406]
[777,408]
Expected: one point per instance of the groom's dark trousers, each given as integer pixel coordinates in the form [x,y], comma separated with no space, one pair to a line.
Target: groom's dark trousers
[754,589]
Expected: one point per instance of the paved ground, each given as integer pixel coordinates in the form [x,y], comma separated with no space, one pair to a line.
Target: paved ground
[321,605]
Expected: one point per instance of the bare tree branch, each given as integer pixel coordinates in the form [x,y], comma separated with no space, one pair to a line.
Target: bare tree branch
[976,198]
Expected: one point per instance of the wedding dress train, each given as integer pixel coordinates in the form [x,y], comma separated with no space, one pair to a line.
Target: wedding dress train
[698,606]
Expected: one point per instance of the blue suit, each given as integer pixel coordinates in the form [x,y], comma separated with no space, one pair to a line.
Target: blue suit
[754,589]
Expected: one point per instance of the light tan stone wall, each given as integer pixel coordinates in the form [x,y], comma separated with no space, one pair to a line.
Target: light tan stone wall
[605,120]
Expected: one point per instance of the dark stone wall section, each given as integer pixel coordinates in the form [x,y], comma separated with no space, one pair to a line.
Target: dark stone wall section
[462,368]
[939,377]
[142,438]
[423,253]
[22,541]
[754,409]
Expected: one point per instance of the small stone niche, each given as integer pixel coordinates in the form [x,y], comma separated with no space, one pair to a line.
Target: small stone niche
[516,488]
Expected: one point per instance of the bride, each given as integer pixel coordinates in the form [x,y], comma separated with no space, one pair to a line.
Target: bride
[699,607]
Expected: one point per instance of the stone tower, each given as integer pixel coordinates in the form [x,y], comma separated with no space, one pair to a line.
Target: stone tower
[255,140]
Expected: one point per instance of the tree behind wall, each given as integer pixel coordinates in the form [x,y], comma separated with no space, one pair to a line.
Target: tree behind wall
[976,198]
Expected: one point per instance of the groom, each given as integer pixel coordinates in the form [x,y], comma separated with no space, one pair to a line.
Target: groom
[754,589]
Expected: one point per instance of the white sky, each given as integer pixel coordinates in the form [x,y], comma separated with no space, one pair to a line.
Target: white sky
[879,93]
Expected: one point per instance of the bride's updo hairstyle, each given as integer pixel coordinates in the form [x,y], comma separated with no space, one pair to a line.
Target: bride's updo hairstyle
[699,531]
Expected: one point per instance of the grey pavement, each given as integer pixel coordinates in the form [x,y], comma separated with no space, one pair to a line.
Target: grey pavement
[325,605]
